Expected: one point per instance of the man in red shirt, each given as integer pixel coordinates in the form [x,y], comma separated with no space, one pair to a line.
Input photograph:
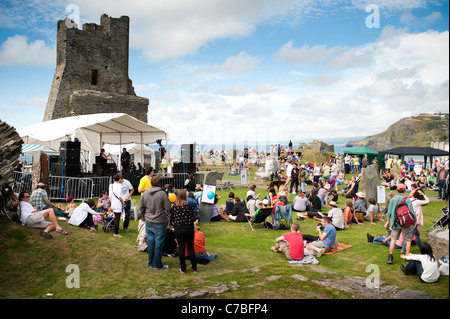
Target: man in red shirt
[291,244]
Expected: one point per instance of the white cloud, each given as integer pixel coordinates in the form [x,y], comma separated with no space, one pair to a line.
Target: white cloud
[17,50]
[305,54]
[242,63]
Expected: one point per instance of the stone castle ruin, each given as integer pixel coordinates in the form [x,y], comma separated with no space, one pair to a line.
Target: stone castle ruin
[91,73]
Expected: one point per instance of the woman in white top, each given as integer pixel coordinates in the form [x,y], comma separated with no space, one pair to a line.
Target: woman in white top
[82,215]
[117,202]
[424,264]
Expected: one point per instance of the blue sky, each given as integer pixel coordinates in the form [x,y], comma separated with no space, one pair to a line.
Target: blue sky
[220,71]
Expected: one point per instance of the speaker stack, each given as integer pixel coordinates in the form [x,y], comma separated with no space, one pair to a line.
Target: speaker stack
[69,160]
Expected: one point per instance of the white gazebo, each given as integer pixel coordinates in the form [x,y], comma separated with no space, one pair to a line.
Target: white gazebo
[93,131]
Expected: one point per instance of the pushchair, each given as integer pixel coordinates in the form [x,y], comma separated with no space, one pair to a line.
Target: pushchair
[108,223]
[441,222]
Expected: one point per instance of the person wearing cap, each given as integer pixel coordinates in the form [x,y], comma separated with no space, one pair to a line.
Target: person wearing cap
[396,228]
[70,205]
[441,177]
[264,204]
[39,199]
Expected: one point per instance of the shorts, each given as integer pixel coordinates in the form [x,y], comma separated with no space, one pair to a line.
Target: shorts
[407,234]
[319,244]
[37,220]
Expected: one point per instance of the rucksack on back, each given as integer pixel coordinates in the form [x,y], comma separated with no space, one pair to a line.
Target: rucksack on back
[404,216]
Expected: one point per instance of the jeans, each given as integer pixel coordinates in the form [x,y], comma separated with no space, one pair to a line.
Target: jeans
[379,241]
[127,210]
[303,186]
[441,189]
[156,235]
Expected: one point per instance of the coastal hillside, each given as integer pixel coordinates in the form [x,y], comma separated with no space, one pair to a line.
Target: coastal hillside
[418,130]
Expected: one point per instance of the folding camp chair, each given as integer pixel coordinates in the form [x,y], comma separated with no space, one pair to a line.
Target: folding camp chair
[441,222]
[283,213]
[263,214]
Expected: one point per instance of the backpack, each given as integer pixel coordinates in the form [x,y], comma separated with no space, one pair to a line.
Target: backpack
[404,216]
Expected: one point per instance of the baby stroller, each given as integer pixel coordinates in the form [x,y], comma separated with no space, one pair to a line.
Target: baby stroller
[108,223]
[441,222]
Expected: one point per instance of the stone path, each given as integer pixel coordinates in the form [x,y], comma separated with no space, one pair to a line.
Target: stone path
[357,286]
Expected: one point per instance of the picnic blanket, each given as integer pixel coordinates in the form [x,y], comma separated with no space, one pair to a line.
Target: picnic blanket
[340,247]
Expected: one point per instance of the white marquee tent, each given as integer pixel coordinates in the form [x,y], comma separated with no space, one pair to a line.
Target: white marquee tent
[93,131]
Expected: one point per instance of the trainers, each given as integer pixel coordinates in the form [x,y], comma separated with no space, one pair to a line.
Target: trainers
[370,238]
[390,260]
[182,271]
[405,272]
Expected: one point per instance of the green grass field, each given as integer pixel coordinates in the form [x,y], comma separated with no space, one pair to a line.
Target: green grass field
[109,267]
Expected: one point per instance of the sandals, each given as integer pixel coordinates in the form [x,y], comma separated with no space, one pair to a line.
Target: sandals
[62,231]
[46,235]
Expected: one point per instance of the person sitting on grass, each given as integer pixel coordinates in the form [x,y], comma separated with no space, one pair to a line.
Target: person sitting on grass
[372,211]
[82,215]
[291,244]
[32,218]
[201,253]
[327,238]
[239,211]
[216,214]
[70,205]
[424,265]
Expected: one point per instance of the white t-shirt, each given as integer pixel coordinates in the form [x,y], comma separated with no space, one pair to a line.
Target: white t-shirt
[289,168]
[126,188]
[115,192]
[26,211]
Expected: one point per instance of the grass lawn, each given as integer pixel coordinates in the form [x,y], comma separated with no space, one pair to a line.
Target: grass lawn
[110,267]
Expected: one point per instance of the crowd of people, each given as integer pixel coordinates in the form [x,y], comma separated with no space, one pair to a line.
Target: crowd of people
[168,220]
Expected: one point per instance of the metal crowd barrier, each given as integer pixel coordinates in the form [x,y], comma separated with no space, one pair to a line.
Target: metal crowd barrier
[173,180]
[60,187]
[80,188]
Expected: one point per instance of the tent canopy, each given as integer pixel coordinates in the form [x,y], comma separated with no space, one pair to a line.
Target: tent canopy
[93,131]
[32,149]
[410,150]
[371,154]
[361,151]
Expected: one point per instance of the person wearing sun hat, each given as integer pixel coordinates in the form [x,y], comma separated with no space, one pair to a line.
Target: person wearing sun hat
[336,215]
[396,228]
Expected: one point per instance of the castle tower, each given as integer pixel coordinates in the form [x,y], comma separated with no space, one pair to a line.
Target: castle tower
[91,73]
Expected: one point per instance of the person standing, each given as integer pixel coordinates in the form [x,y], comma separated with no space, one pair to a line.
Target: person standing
[394,225]
[182,218]
[154,206]
[117,202]
[441,177]
[294,176]
[125,160]
[145,181]
[289,168]
[127,192]
[303,178]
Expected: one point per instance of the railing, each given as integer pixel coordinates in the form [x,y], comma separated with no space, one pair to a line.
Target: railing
[80,188]
[60,187]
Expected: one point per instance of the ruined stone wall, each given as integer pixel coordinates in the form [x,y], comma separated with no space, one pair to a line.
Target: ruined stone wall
[91,74]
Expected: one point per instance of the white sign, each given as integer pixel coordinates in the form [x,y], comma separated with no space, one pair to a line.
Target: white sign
[243,177]
[208,194]
[381,194]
